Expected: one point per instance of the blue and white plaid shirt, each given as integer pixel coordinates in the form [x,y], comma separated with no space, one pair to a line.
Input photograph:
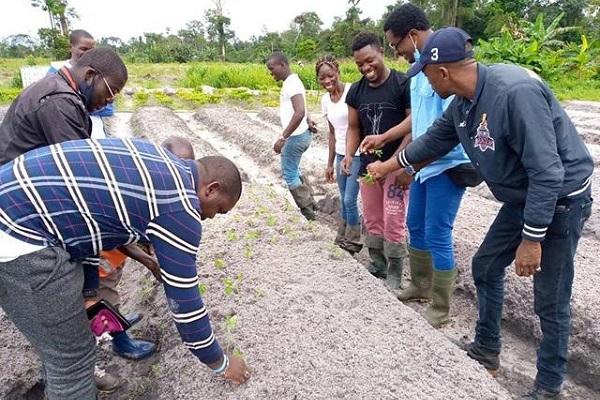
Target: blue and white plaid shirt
[91,195]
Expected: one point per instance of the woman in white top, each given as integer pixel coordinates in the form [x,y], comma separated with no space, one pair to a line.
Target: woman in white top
[333,105]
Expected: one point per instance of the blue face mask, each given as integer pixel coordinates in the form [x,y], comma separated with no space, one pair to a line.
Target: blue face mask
[417,55]
[87,90]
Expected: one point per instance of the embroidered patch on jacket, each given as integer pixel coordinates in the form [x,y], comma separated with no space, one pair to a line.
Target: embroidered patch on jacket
[483,140]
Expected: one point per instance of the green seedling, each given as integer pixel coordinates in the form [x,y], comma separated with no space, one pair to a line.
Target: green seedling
[251,222]
[286,229]
[220,264]
[252,235]
[336,252]
[248,252]
[237,352]
[259,293]
[230,323]
[368,178]
[231,235]
[229,286]
[271,220]
[261,210]
[378,153]
[202,288]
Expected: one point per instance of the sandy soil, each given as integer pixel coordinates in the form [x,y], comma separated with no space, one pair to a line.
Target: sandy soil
[308,318]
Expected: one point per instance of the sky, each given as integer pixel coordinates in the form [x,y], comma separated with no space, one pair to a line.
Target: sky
[132,18]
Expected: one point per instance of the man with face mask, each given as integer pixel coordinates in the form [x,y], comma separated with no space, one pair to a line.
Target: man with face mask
[434,197]
[57,107]
[81,41]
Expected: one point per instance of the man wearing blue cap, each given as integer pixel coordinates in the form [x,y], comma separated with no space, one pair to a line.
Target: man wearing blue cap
[528,151]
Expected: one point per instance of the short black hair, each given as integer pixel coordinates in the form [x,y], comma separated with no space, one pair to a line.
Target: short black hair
[179,146]
[106,61]
[224,171]
[365,38]
[279,57]
[405,18]
[79,34]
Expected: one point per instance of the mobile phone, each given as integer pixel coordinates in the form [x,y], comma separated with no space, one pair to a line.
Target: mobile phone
[104,317]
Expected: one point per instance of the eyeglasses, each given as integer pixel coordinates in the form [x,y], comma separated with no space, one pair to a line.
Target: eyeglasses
[112,94]
[394,46]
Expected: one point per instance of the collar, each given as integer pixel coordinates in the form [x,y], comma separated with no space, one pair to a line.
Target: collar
[481,75]
[66,75]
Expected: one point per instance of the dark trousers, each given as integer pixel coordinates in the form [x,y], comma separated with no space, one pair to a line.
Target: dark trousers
[552,286]
[41,294]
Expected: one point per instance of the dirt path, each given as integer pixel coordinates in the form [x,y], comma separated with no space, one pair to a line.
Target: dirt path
[310,320]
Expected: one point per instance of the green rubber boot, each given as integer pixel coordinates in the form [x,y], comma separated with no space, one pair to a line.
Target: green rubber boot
[352,242]
[421,277]
[304,200]
[341,233]
[395,253]
[378,265]
[438,313]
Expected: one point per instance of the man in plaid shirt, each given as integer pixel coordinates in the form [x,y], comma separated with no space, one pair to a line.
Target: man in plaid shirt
[62,204]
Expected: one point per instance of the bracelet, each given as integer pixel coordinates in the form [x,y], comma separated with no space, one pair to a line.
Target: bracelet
[283,138]
[223,366]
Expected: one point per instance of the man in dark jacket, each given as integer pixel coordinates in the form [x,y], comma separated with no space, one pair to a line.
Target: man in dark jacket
[530,155]
[57,107]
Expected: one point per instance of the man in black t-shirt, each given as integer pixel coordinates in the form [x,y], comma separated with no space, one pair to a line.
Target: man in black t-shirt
[378,103]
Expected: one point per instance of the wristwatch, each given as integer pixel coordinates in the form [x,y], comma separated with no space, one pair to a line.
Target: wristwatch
[410,170]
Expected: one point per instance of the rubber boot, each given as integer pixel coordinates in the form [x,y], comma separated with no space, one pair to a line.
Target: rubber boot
[341,233]
[395,253]
[304,200]
[306,182]
[352,243]
[421,277]
[134,317]
[127,347]
[378,265]
[438,313]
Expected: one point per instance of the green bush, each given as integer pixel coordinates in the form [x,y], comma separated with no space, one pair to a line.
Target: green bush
[140,98]
[7,95]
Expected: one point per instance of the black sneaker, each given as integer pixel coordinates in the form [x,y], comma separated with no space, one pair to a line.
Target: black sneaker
[537,393]
[489,358]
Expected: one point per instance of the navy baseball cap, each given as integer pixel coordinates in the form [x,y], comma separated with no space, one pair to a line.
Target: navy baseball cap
[445,45]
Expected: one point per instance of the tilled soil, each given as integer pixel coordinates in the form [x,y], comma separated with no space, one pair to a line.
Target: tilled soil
[309,319]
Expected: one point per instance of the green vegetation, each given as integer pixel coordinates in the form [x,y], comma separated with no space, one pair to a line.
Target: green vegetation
[563,53]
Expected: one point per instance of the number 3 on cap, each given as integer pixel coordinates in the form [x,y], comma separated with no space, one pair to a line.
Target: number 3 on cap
[434,54]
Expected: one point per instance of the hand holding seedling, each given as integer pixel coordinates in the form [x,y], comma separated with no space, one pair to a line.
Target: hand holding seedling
[237,372]
[371,143]
[377,170]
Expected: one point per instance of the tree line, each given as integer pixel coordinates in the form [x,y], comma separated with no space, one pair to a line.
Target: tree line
[212,39]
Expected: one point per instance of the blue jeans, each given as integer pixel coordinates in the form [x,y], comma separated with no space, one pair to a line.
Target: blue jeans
[349,189]
[291,154]
[432,209]
[551,286]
